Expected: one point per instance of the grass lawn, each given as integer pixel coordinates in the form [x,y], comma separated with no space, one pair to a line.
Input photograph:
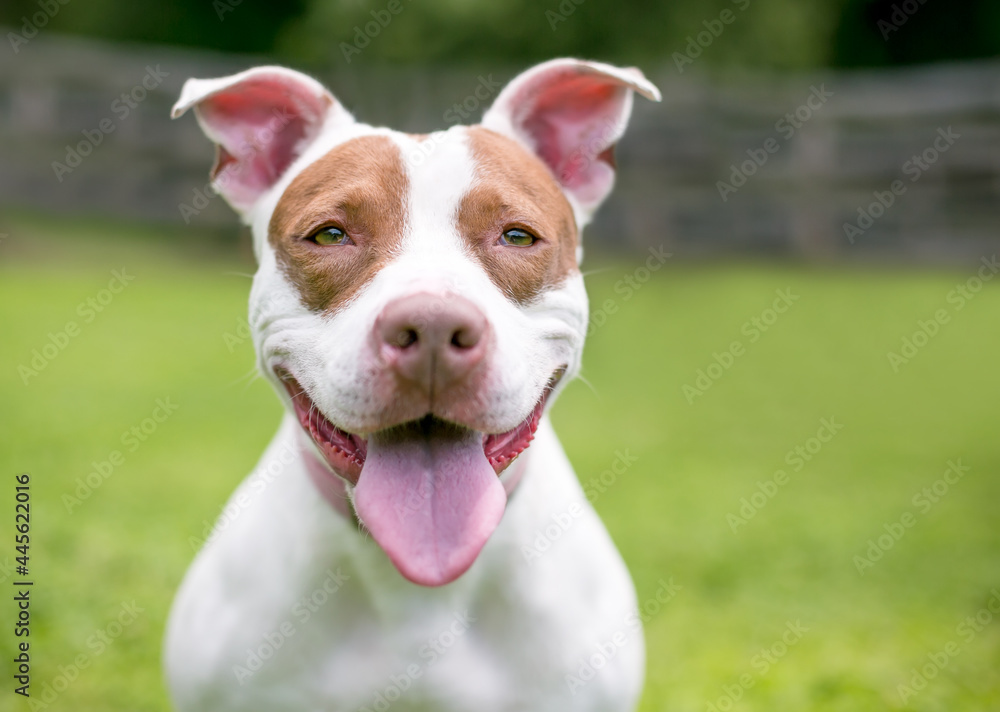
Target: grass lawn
[855,629]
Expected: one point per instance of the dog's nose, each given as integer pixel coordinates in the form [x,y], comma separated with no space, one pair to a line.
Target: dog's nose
[432,340]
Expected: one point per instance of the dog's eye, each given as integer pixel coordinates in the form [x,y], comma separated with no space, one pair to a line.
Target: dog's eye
[517,238]
[330,236]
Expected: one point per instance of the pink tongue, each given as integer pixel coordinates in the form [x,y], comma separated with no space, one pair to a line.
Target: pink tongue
[430,498]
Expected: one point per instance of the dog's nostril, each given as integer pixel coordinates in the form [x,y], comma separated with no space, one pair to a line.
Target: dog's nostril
[464,338]
[406,337]
[422,332]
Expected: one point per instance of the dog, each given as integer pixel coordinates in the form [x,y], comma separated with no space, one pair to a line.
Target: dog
[414,537]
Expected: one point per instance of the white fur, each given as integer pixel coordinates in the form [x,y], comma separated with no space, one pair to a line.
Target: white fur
[533,622]
[503,115]
[516,625]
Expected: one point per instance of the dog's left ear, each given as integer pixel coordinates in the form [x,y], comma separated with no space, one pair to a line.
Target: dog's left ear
[570,113]
[261,120]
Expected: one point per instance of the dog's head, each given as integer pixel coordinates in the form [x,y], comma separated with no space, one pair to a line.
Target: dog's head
[418,298]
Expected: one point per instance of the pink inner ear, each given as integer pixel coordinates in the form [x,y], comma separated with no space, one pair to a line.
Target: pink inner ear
[259,124]
[573,120]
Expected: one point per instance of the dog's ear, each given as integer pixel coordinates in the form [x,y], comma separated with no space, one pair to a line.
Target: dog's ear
[570,113]
[261,120]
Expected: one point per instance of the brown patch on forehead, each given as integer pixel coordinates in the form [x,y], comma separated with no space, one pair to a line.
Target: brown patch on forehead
[513,188]
[360,187]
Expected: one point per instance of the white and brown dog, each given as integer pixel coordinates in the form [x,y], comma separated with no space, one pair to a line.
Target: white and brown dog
[418,304]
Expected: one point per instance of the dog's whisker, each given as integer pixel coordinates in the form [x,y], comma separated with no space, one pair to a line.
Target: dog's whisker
[246,379]
[599,270]
[237,381]
[589,385]
[250,378]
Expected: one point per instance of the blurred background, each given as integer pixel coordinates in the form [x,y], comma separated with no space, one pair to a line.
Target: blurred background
[893,73]
[811,361]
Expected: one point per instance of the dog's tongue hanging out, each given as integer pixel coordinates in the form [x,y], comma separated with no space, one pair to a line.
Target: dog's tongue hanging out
[430,498]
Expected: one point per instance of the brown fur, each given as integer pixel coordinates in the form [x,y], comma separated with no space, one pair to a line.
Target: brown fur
[513,188]
[361,187]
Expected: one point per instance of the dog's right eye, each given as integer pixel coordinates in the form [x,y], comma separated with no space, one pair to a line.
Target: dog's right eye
[516,237]
[330,236]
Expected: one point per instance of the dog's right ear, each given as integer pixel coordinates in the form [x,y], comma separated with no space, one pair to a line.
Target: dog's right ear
[570,113]
[261,120]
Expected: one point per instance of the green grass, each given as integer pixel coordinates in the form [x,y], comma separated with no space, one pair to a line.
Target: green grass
[163,337]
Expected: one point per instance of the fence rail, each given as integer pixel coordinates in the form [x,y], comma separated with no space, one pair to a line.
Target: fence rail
[910,159]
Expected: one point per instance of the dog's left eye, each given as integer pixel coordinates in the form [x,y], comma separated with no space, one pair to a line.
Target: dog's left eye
[517,238]
[330,236]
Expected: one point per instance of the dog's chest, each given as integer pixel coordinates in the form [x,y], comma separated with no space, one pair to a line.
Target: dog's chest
[439,657]
[494,646]
[269,631]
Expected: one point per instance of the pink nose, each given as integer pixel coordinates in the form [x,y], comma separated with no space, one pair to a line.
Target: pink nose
[431,340]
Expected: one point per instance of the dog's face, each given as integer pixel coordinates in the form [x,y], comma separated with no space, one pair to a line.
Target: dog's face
[418,298]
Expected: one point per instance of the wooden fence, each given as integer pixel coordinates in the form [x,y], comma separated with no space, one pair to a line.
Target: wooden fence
[756,164]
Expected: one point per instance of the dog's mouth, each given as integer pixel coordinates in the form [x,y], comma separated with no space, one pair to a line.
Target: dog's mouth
[346,452]
[427,490]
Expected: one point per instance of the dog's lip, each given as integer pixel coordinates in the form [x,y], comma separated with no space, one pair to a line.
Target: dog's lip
[501,449]
[345,452]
